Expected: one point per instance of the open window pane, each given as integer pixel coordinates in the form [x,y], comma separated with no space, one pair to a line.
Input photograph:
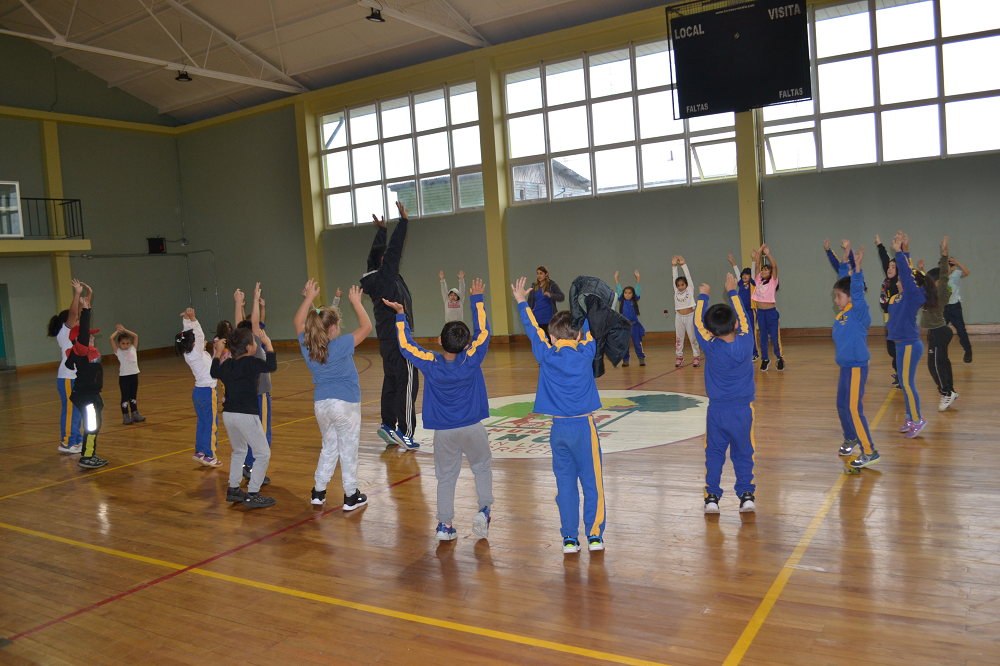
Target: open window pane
[656,116]
[613,122]
[663,164]
[464,103]
[652,65]
[564,82]
[972,66]
[435,193]
[903,21]
[849,140]
[715,160]
[842,29]
[846,85]
[529,182]
[959,17]
[428,110]
[432,152]
[399,158]
[790,110]
[792,152]
[713,121]
[366,164]
[571,176]
[405,193]
[524,91]
[339,209]
[972,125]
[395,117]
[568,129]
[465,143]
[907,75]
[616,170]
[369,202]
[364,124]
[470,190]
[337,174]
[911,133]
[610,73]
[526,136]
[334,131]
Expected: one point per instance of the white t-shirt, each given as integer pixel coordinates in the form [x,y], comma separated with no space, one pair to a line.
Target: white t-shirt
[128,361]
[199,360]
[62,337]
[683,299]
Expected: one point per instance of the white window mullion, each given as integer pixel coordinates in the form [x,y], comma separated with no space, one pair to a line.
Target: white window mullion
[416,156]
[381,157]
[550,177]
[875,86]
[814,69]
[635,116]
[939,53]
[591,154]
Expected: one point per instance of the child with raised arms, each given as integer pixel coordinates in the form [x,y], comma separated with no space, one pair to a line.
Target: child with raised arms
[767,311]
[85,359]
[70,439]
[454,299]
[746,284]
[329,355]
[190,342]
[455,405]
[125,344]
[684,302]
[628,307]
[902,330]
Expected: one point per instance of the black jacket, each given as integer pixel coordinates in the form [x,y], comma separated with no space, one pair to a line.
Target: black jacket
[384,281]
[85,359]
[591,298]
[890,286]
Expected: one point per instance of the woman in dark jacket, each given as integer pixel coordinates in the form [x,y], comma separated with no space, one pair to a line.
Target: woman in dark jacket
[543,297]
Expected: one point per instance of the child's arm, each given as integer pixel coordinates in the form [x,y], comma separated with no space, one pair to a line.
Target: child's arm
[461,286]
[704,337]
[539,341]
[261,301]
[673,272]
[255,313]
[364,323]
[831,256]
[134,336]
[444,288]
[774,264]
[218,348]
[944,269]
[736,269]
[309,293]
[480,324]
[618,287]
[859,306]
[587,343]
[638,286]
[74,309]
[240,314]
[411,351]
[733,291]
[684,267]
[271,359]
[882,255]
[904,270]
[336,299]
[394,250]
[843,267]
[191,324]
[961,267]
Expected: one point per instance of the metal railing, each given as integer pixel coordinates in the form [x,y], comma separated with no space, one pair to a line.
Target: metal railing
[52,218]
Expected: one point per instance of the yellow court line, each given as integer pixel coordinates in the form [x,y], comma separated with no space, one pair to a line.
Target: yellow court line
[757,621]
[364,608]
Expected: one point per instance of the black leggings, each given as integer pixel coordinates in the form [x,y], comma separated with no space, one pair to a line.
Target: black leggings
[90,406]
[890,347]
[129,385]
[937,358]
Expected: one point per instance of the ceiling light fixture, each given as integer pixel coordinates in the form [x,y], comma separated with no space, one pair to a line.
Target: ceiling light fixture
[376,16]
[182,76]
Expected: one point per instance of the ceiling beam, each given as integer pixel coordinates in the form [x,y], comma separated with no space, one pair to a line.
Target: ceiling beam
[452,12]
[116,26]
[400,15]
[165,64]
[329,8]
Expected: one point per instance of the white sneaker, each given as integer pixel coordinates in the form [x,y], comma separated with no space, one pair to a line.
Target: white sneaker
[947,401]
[711,504]
[76,448]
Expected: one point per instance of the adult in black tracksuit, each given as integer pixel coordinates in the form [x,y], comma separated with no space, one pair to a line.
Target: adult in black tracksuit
[402,381]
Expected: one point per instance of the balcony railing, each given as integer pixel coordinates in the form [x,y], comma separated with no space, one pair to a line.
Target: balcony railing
[52,218]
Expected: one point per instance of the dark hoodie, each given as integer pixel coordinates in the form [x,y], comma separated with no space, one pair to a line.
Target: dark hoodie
[85,358]
[384,281]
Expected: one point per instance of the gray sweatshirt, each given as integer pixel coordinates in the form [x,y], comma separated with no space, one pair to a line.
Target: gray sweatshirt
[453,310]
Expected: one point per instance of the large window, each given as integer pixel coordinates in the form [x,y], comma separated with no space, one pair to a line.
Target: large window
[603,123]
[421,149]
[893,80]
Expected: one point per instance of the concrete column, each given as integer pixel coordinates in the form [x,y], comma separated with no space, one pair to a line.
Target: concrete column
[748,182]
[311,179]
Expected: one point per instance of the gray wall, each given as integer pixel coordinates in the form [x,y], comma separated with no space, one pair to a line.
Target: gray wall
[21,155]
[450,243]
[958,197]
[32,303]
[628,232]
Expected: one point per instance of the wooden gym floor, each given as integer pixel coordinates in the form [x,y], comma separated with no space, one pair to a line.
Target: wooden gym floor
[143,562]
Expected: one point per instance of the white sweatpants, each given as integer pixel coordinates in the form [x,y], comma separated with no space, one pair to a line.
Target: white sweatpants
[340,425]
[684,324]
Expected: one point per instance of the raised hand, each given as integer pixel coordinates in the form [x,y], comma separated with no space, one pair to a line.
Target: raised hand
[920,265]
[354,294]
[478,287]
[826,245]
[944,247]
[261,301]
[673,260]
[311,290]
[461,275]
[189,314]
[238,297]
[858,256]
[264,340]
[339,292]
[395,306]
[766,250]
[379,221]
[402,211]
[518,290]
[636,276]
[897,242]
[731,284]
[680,260]
[906,243]
[731,260]
[753,255]
[77,286]
[256,292]
[440,275]
[616,276]
[845,244]
[119,328]
[704,289]
[878,241]
[219,346]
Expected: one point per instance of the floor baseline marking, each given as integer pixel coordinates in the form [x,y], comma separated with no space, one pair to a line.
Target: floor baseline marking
[778,586]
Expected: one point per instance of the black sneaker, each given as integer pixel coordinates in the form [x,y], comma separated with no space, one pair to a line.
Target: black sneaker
[746,503]
[624,364]
[354,501]
[764,364]
[755,357]
[711,503]
[137,417]
[781,365]
[246,475]
[318,497]
[235,495]
[895,381]
[93,462]
[126,419]
[968,356]
[848,447]
[257,501]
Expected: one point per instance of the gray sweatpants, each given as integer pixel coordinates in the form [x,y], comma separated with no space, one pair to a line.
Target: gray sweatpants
[449,445]
[246,430]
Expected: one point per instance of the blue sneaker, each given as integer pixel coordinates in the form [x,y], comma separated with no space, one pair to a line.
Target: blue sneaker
[481,523]
[405,443]
[595,543]
[387,435]
[445,533]
[571,545]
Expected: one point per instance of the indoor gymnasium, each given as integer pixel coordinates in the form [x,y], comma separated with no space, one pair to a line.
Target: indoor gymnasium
[687,358]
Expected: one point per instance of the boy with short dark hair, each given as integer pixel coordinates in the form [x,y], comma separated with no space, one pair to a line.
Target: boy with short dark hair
[567,391]
[727,340]
[455,405]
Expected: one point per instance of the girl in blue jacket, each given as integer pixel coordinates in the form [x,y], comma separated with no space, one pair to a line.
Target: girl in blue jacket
[628,306]
[902,329]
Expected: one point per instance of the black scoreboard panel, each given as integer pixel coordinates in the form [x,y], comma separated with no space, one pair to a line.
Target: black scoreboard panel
[740,57]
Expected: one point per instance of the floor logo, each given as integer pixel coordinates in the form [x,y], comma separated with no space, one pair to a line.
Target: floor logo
[627,420]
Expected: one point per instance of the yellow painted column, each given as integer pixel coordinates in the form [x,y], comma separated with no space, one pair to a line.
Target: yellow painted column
[496,199]
[748,166]
[311,182]
[61,272]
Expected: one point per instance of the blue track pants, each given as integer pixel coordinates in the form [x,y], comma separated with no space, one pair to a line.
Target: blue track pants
[850,406]
[576,458]
[206,406]
[729,426]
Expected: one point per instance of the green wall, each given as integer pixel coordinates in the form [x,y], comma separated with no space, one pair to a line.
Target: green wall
[21,155]
[32,303]
[957,197]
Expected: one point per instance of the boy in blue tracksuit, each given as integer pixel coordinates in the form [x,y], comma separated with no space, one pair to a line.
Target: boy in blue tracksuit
[724,334]
[455,404]
[902,329]
[567,391]
[850,336]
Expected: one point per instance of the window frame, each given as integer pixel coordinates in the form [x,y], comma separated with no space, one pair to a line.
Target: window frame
[380,141]
[16,209]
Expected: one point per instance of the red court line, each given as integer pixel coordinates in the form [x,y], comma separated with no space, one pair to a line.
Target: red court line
[654,378]
[173,574]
